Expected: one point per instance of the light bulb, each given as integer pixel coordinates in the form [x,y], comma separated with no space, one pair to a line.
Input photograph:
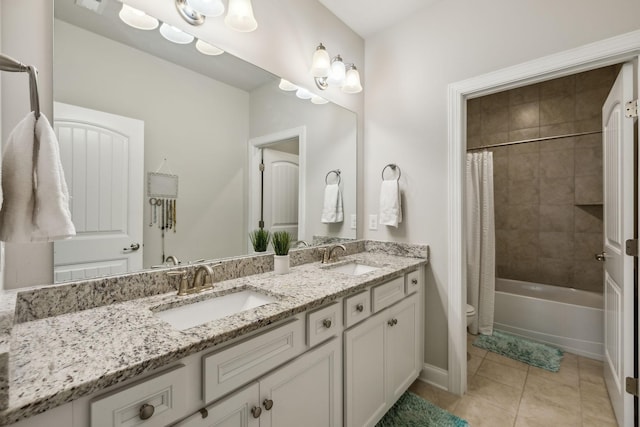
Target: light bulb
[318,100]
[302,93]
[137,18]
[207,7]
[287,85]
[207,49]
[174,34]
[321,63]
[338,71]
[352,81]
[240,16]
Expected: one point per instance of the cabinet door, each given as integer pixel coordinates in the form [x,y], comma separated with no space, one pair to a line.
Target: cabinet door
[306,392]
[402,346]
[234,411]
[365,398]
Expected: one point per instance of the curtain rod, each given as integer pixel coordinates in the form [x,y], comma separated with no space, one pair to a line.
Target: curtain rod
[524,141]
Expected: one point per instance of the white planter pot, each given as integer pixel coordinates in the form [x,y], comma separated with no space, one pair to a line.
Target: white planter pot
[281,264]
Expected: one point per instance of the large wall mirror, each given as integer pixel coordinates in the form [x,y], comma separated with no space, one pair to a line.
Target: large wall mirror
[129,102]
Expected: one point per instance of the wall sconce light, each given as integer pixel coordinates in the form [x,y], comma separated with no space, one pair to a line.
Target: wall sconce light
[327,71]
[239,15]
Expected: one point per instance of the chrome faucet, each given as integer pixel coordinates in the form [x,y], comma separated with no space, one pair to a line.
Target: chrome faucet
[328,253]
[199,283]
[302,243]
[173,259]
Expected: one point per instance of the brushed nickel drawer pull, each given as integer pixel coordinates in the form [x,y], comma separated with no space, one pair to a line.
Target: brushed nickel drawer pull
[146,411]
[326,323]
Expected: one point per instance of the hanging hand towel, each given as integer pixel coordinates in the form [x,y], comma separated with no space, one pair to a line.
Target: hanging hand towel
[16,215]
[51,216]
[332,209]
[390,208]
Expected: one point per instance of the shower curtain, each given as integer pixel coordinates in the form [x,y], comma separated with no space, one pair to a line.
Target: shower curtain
[481,276]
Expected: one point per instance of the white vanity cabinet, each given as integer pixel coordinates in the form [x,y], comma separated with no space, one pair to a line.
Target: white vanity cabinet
[383,356]
[304,392]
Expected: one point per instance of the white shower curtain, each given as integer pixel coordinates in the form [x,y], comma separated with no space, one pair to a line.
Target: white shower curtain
[481,249]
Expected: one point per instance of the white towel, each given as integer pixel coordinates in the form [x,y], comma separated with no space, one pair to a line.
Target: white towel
[52,216]
[29,214]
[390,207]
[332,209]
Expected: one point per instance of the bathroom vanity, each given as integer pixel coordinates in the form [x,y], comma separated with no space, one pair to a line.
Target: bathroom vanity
[330,345]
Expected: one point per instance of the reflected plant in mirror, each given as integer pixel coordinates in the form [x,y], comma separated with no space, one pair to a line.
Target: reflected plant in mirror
[260,239]
[127,99]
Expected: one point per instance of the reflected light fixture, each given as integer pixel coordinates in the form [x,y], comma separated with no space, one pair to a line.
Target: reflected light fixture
[286,85]
[318,100]
[240,16]
[326,71]
[302,93]
[174,34]
[137,18]
[208,49]
[208,7]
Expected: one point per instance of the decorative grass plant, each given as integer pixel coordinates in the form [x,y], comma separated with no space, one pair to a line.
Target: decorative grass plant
[260,239]
[281,241]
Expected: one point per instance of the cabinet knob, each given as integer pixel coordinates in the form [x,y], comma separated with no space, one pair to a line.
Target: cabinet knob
[146,411]
[360,308]
[395,321]
[326,323]
[268,404]
[256,411]
[390,322]
[414,281]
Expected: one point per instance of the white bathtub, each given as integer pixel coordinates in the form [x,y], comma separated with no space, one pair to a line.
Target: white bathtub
[570,319]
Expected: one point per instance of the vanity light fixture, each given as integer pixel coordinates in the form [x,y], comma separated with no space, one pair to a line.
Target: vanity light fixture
[174,34]
[137,18]
[302,93]
[207,49]
[287,86]
[318,100]
[327,71]
[239,14]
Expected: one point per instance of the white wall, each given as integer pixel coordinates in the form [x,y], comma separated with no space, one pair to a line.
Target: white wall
[331,144]
[30,42]
[198,124]
[408,68]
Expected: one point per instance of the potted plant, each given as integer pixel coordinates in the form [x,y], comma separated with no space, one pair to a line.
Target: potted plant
[281,241]
[260,239]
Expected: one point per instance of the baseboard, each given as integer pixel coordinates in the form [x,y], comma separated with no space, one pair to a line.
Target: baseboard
[435,376]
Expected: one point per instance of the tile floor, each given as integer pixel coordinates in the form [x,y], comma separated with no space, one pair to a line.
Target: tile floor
[505,392]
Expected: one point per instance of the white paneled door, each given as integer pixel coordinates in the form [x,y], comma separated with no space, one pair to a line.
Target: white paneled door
[281,191]
[618,174]
[102,156]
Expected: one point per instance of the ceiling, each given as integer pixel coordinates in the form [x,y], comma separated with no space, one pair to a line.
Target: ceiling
[367,17]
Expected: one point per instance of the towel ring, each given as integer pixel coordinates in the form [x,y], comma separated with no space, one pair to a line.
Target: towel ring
[337,172]
[393,167]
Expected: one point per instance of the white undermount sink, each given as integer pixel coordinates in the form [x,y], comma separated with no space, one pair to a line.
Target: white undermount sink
[353,268]
[190,315]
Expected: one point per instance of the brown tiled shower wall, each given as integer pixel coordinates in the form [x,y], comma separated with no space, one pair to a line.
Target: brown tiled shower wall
[548,195]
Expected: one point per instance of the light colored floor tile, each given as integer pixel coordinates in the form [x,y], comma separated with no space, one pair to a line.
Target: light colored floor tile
[569,361]
[591,372]
[536,412]
[596,422]
[438,397]
[472,349]
[567,376]
[494,357]
[481,413]
[539,390]
[500,395]
[595,402]
[503,374]
[473,364]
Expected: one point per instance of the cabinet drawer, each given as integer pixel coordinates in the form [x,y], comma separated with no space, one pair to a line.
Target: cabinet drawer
[384,295]
[230,368]
[414,281]
[166,393]
[323,324]
[356,308]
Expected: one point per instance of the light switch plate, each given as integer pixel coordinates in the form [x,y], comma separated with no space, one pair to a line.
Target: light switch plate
[354,223]
[373,222]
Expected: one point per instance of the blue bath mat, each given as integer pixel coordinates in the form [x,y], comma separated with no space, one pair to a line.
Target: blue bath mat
[521,349]
[413,411]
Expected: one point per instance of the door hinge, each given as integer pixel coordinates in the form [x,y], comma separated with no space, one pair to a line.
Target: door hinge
[631,386]
[631,109]
[261,167]
[631,247]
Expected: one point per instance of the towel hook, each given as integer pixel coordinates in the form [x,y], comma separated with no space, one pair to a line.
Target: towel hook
[337,172]
[9,64]
[393,167]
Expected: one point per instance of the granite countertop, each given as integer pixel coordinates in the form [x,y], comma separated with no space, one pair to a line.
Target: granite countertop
[57,359]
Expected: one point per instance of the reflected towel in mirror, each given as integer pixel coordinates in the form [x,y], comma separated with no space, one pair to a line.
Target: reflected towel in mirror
[390,205]
[332,209]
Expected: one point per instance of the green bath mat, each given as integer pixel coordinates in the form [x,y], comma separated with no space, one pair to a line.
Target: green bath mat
[521,349]
[413,411]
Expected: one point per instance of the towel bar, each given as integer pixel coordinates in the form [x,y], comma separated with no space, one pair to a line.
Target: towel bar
[9,64]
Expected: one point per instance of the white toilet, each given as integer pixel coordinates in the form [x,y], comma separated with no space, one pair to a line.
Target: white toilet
[471,314]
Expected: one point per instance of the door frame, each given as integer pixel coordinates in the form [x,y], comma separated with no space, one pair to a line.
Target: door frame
[622,48]
[254,157]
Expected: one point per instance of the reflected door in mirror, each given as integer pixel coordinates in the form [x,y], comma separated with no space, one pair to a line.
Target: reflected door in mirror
[281,191]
